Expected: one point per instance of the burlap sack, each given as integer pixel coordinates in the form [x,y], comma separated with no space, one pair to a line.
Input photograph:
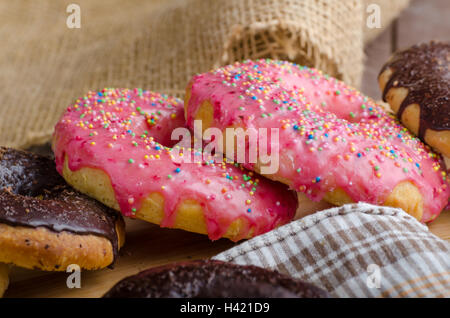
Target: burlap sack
[156,45]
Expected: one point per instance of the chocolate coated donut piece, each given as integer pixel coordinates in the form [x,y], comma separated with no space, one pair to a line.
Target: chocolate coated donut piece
[212,279]
[425,71]
[33,194]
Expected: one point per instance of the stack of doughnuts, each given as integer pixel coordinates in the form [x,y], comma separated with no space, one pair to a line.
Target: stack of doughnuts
[120,149]
[338,146]
[416,84]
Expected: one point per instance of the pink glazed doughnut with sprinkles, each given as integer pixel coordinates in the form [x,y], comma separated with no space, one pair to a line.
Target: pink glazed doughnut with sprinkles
[114,145]
[336,144]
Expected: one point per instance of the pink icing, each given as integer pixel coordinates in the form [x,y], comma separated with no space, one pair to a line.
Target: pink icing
[116,130]
[330,134]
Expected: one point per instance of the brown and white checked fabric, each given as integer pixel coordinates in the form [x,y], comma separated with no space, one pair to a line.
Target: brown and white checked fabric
[334,249]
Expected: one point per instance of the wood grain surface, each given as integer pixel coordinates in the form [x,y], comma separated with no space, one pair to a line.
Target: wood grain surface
[147,246]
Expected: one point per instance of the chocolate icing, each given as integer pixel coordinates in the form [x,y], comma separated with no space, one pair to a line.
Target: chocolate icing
[424,71]
[212,279]
[33,194]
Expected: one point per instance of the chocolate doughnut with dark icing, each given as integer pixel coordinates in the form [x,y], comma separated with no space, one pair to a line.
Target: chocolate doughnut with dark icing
[424,71]
[212,279]
[33,194]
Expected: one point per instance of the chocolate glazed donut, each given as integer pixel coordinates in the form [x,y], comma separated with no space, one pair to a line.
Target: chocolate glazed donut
[424,70]
[33,195]
[212,279]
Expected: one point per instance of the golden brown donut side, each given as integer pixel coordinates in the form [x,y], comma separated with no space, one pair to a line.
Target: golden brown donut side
[189,213]
[40,248]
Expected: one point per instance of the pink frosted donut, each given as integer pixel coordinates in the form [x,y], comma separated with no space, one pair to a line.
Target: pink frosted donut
[336,144]
[107,145]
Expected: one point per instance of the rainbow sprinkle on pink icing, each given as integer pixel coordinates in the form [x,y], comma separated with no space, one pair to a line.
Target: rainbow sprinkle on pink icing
[331,135]
[126,133]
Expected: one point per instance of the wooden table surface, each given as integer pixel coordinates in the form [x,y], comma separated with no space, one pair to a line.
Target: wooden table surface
[148,245]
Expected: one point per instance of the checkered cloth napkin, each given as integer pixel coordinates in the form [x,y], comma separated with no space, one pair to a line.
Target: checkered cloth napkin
[357,250]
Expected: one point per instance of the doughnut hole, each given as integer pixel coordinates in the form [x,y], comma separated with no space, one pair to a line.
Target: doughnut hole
[338,197]
[306,206]
[189,213]
[405,195]
[4,278]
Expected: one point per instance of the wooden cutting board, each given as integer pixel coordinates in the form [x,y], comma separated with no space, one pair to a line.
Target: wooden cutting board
[147,246]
